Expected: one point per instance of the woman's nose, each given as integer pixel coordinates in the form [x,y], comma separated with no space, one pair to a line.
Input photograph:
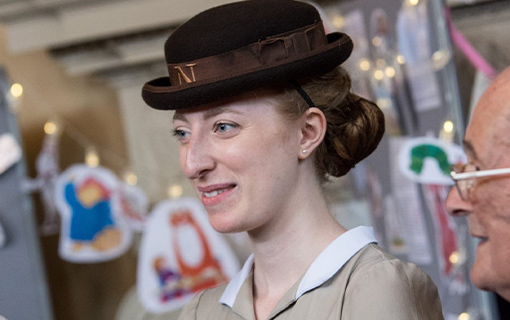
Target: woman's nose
[455,205]
[196,158]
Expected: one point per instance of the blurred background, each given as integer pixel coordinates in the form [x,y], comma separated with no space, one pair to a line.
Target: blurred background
[74,69]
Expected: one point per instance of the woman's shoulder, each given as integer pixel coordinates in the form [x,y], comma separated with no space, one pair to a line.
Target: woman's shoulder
[204,301]
[373,262]
[388,283]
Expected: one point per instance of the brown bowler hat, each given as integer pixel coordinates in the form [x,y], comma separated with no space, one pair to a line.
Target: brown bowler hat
[240,46]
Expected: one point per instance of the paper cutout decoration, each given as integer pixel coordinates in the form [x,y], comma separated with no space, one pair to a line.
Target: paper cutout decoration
[2,236]
[10,151]
[451,250]
[47,169]
[427,160]
[92,228]
[355,28]
[414,43]
[410,211]
[180,255]
[446,230]
[385,87]
[134,205]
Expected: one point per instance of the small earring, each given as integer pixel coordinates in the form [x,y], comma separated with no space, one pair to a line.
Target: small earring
[304,151]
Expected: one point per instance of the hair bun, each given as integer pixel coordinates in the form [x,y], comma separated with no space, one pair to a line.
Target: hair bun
[355,128]
[355,125]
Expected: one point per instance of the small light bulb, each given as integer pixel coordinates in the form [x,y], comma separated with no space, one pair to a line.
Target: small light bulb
[380,63]
[448,126]
[401,59]
[16,90]
[464,316]
[338,21]
[376,41]
[440,59]
[50,128]
[364,65]
[92,158]
[384,103]
[175,191]
[130,178]
[454,257]
[414,2]
[390,72]
[378,74]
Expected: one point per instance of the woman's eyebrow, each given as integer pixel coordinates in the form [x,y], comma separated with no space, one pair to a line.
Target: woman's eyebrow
[207,114]
[219,110]
[213,112]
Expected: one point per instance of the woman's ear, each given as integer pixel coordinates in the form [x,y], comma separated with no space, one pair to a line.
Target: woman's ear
[313,130]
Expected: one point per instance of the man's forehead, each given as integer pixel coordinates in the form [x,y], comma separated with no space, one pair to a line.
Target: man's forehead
[490,124]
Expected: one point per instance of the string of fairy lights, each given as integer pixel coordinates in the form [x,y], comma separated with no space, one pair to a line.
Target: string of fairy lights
[92,150]
[382,69]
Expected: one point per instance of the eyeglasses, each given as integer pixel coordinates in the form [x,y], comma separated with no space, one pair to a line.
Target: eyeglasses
[464,177]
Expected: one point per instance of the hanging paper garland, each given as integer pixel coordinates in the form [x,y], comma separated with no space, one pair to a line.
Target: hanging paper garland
[47,169]
[134,205]
[414,44]
[450,251]
[180,255]
[92,227]
[468,50]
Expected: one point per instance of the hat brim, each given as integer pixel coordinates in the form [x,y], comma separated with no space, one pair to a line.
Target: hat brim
[160,94]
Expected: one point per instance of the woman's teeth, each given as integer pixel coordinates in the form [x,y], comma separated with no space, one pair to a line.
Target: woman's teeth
[214,193]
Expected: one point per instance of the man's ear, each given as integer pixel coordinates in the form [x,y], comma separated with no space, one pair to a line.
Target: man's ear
[313,130]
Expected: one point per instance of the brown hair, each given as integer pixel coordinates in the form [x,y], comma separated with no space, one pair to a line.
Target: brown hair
[354,125]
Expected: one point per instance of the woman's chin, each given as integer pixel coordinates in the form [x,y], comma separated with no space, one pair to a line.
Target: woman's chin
[225,226]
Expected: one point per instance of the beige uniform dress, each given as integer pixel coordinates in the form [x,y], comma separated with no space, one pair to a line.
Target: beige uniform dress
[351,279]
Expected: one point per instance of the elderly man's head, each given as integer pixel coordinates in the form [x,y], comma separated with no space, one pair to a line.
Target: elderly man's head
[486,200]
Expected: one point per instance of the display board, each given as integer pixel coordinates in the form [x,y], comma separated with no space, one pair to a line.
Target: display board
[403,60]
[24,293]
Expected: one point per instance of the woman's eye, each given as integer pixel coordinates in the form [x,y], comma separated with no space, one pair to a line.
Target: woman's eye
[180,134]
[224,127]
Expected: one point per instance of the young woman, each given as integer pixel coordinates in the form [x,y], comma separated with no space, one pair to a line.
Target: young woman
[264,114]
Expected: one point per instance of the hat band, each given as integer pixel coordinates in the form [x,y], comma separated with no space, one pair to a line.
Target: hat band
[289,46]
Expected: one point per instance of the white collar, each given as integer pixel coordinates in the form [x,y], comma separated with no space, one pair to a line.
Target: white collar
[329,261]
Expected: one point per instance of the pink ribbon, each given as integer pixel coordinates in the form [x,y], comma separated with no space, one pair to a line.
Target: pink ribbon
[469,51]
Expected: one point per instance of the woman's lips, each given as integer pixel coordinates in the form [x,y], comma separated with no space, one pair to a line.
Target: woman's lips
[212,195]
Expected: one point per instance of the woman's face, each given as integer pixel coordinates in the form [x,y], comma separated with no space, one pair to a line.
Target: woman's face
[241,157]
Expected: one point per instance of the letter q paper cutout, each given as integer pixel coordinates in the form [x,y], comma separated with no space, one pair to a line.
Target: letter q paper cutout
[180,255]
[427,160]
[92,228]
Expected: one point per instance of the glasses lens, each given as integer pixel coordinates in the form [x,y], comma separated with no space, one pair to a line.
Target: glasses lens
[461,188]
[464,185]
[457,168]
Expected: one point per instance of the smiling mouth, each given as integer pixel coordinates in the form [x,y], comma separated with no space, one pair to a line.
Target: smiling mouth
[216,192]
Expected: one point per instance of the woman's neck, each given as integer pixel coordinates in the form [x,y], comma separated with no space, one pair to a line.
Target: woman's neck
[284,249]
